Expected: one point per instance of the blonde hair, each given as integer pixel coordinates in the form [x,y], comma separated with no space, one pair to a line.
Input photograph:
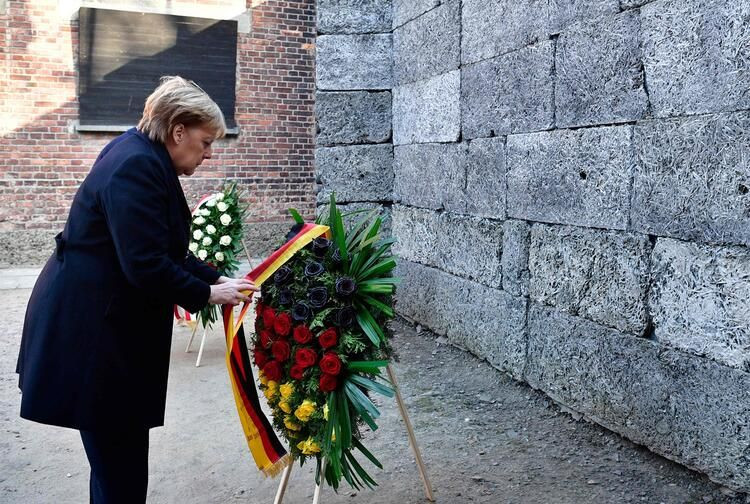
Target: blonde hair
[179,101]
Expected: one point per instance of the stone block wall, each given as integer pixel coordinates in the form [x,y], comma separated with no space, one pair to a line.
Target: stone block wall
[571,198]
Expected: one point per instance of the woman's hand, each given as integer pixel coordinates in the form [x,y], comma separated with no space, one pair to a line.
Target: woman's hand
[231,291]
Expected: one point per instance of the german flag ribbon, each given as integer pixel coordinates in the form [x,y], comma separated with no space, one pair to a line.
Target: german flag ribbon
[265,447]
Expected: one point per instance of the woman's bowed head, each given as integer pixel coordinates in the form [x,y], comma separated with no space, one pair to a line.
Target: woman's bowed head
[185,119]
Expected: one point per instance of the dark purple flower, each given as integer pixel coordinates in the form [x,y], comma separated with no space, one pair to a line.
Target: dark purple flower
[300,312]
[285,297]
[320,246]
[345,286]
[293,231]
[318,297]
[345,316]
[282,275]
[336,255]
[313,268]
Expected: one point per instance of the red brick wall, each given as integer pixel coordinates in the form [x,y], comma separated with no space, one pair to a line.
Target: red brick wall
[43,159]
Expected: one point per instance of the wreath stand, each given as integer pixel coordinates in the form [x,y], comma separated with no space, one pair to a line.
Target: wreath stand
[205,329]
[412,442]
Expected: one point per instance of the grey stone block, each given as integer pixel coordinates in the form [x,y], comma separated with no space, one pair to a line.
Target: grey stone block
[488,322]
[355,173]
[696,56]
[686,408]
[406,10]
[428,46]
[363,209]
[430,175]
[27,247]
[699,300]
[485,178]
[467,246]
[565,12]
[692,179]
[351,62]
[353,117]
[599,76]
[579,177]
[428,110]
[491,28]
[599,275]
[629,4]
[508,94]
[515,258]
[354,16]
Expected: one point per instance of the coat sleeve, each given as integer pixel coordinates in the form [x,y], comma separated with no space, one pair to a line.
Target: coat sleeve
[135,204]
[201,269]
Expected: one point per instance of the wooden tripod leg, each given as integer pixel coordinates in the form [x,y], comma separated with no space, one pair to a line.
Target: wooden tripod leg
[247,254]
[283,484]
[200,350]
[316,496]
[192,335]
[412,437]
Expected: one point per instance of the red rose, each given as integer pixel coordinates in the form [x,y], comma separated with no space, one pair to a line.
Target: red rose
[272,370]
[266,338]
[268,317]
[283,324]
[296,372]
[281,350]
[260,357]
[328,338]
[330,363]
[302,334]
[305,357]
[328,383]
[258,308]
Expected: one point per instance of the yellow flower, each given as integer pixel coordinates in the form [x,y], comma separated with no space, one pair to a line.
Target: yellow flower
[262,378]
[304,410]
[286,390]
[285,406]
[325,411]
[272,389]
[308,447]
[291,425]
[333,436]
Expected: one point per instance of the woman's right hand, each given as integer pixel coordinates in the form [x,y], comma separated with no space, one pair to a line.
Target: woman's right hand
[231,292]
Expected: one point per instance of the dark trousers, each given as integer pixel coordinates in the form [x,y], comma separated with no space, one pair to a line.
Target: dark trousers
[119,465]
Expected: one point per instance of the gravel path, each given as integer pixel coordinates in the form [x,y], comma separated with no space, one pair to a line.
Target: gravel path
[485,439]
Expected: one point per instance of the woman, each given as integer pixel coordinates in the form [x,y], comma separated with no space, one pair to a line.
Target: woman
[97,333]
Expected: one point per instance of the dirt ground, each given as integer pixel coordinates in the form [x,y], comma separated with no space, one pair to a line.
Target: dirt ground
[485,439]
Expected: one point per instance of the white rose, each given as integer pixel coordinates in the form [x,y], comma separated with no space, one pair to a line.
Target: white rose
[225,240]
[210,229]
[219,196]
[205,212]
[222,206]
[225,219]
[207,241]
[202,254]
[199,220]
[197,234]
[211,202]
[219,256]
[193,246]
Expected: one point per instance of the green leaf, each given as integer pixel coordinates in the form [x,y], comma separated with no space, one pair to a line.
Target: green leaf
[357,396]
[296,216]
[372,367]
[368,329]
[382,267]
[344,422]
[377,304]
[337,229]
[361,471]
[364,314]
[371,385]
[358,445]
[359,228]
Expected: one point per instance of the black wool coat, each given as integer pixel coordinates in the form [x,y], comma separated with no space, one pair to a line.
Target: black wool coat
[98,328]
